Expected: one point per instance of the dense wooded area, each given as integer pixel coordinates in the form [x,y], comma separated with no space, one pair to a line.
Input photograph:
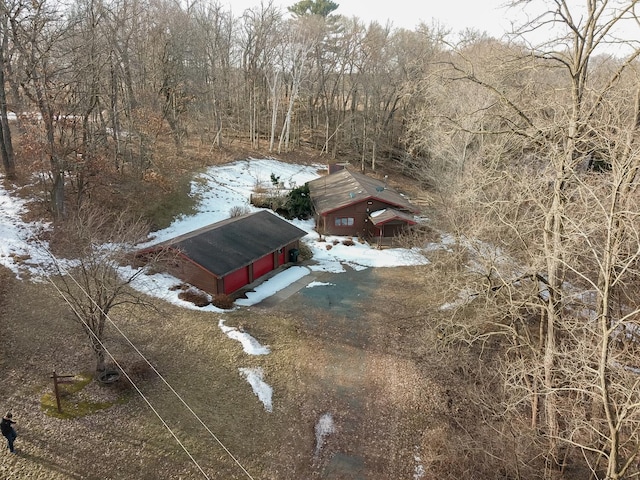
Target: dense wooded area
[96,83]
[531,147]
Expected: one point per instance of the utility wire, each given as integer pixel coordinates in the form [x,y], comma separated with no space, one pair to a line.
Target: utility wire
[102,345]
[213,435]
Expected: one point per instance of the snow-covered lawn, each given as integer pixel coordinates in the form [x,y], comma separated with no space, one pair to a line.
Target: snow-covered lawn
[18,249]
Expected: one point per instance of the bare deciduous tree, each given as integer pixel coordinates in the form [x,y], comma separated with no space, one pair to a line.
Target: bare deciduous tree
[98,279]
[552,182]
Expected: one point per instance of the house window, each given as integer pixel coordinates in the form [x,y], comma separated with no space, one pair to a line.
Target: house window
[344,222]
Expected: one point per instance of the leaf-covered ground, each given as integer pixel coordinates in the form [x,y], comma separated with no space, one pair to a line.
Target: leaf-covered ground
[370,365]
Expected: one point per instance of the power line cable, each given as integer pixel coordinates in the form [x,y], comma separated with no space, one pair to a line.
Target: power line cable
[62,269]
[102,345]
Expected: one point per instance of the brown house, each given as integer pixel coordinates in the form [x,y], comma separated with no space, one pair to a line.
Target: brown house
[349,203]
[228,255]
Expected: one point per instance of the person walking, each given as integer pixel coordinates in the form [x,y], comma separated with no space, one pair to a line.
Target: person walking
[8,431]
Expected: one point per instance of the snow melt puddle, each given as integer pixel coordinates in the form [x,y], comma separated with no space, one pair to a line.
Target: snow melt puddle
[262,390]
[249,344]
[324,428]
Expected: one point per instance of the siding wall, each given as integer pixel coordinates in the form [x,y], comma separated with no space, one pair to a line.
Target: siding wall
[390,229]
[195,275]
[359,212]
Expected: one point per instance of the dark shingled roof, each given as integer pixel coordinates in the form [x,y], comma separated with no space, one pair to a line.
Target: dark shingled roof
[234,243]
[344,188]
[388,214]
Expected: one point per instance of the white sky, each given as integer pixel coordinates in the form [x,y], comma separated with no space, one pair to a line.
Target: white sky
[490,16]
[483,15]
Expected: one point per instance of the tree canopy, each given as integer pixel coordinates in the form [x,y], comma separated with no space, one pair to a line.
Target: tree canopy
[324,8]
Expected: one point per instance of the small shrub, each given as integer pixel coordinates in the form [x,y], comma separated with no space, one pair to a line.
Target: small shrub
[261,201]
[336,242]
[275,180]
[299,203]
[238,211]
[416,236]
[348,242]
[199,299]
[260,187]
[222,300]
[304,252]
[329,247]
[271,201]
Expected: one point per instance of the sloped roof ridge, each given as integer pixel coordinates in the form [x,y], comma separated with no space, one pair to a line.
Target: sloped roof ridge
[212,226]
[367,182]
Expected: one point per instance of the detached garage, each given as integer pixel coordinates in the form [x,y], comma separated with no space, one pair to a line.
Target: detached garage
[228,255]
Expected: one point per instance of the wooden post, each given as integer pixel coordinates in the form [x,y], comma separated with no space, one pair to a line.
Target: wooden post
[55,389]
[56,381]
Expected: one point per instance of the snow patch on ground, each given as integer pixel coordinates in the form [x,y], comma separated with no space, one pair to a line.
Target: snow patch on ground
[273,285]
[18,248]
[223,187]
[263,391]
[163,286]
[358,256]
[217,190]
[324,428]
[419,470]
[320,284]
[249,344]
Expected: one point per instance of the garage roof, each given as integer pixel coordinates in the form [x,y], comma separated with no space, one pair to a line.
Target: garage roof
[234,243]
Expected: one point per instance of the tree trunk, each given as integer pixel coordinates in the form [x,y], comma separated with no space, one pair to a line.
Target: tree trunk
[553,249]
[6,146]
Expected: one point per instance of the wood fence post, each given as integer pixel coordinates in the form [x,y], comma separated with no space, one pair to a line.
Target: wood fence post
[56,381]
[55,389]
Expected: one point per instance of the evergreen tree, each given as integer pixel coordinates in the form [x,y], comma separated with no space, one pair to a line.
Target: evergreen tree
[324,8]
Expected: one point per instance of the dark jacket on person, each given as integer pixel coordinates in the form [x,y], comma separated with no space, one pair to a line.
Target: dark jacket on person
[6,427]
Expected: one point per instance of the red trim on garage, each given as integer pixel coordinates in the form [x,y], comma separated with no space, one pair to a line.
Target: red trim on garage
[236,280]
[262,265]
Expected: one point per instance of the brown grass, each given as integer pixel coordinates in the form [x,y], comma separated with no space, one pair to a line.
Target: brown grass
[201,363]
[394,391]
